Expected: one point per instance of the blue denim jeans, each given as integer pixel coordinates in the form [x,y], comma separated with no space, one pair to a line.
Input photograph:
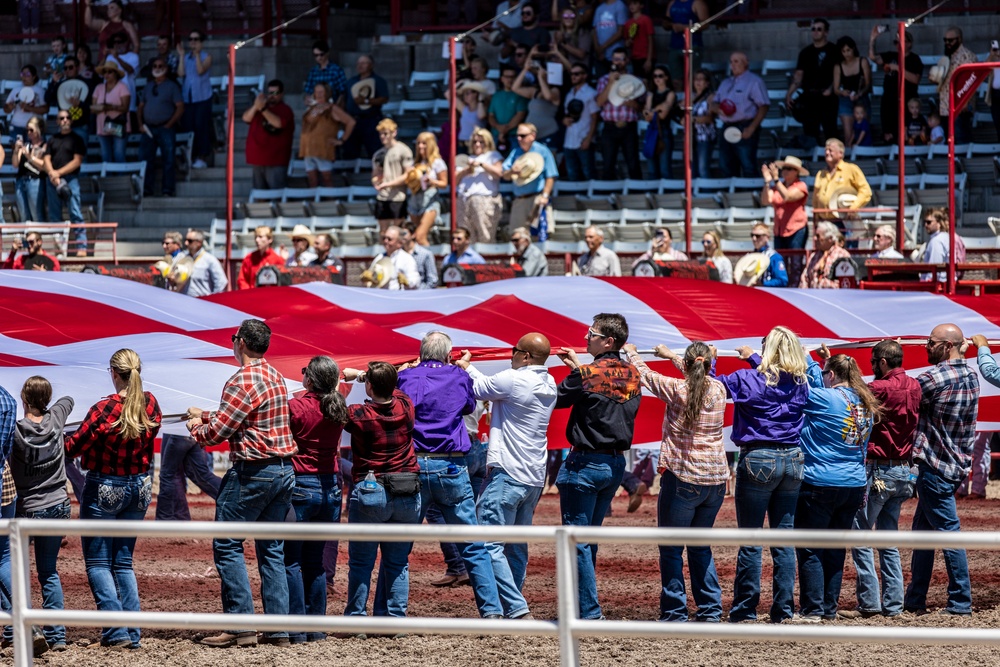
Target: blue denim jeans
[46,558]
[315,499]
[740,159]
[181,456]
[29,202]
[6,512]
[475,461]
[661,166]
[163,138]
[109,559]
[587,484]
[821,571]
[936,511]
[55,209]
[379,506]
[767,482]
[794,263]
[702,159]
[198,119]
[882,513]
[684,505]
[579,164]
[446,483]
[112,148]
[507,502]
[252,491]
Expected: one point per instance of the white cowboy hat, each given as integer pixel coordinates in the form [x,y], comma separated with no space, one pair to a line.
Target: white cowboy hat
[794,162]
[750,267]
[358,87]
[71,88]
[626,88]
[26,95]
[843,197]
[530,166]
[940,70]
[467,85]
[302,232]
[733,134]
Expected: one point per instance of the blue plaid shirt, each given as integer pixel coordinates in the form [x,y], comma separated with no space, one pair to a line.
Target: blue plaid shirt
[8,417]
[946,429]
[333,75]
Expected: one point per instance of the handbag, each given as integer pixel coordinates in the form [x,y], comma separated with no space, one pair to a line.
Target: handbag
[653,145]
[401,483]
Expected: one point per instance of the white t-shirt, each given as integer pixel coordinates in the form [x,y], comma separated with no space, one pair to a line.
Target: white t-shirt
[480,182]
[577,132]
[132,59]
[19,117]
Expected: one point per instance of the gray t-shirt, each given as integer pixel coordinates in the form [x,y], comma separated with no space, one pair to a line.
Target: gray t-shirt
[159,102]
[38,461]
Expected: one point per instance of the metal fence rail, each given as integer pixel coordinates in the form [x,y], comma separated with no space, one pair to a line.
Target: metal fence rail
[568,627]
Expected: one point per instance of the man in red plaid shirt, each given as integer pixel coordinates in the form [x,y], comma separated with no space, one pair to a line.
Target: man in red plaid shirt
[253,417]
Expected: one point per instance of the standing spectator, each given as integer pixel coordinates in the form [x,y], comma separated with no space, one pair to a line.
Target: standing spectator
[366,93]
[86,70]
[889,62]
[129,63]
[703,119]
[53,68]
[25,101]
[322,124]
[819,270]
[861,130]
[942,452]
[167,54]
[609,22]
[264,255]
[938,248]
[507,110]
[769,402]
[838,177]
[73,94]
[322,246]
[640,39]
[404,273]
[461,252]
[115,441]
[111,104]
[253,417]
[325,71]
[993,87]
[160,112]
[659,103]
[741,102]
[680,15]
[604,396]
[527,255]
[390,165]
[620,112]
[532,187]
[958,54]
[479,203]
[113,25]
[529,34]
[269,141]
[34,258]
[694,474]
[661,248]
[472,100]
[572,36]
[917,129]
[543,99]
[598,260]
[580,120]
[814,77]
[63,157]
[711,245]
[195,67]
[30,14]
[302,253]
[479,70]
[788,194]
[29,158]
[207,276]
[852,79]
[426,177]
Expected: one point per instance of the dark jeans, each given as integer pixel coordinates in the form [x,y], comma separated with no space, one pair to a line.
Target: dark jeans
[822,570]
[198,119]
[794,263]
[995,112]
[475,461]
[821,113]
[579,164]
[365,135]
[700,166]
[963,127]
[164,139]
[180,457]
[740,159]
[626,140]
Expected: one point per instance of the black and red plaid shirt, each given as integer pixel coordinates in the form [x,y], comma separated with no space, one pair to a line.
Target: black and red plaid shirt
[382,436]
[103,448]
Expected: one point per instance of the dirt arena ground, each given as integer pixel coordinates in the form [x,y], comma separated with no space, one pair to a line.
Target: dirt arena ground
[178,575]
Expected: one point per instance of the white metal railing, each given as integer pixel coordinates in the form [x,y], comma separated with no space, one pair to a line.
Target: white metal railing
[568,627]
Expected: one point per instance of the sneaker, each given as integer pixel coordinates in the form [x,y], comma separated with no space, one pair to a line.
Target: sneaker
[229,639]
[810,619]
[854,614]
[635,499]
[199,164]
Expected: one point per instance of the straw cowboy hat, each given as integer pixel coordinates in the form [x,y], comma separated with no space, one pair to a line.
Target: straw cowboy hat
[626,88]
[529,166]
[110,66]
[378,275]
[750,268]
[940,71]
[843,197]
[302,232]
[794,162]
[466,85]
[366,86]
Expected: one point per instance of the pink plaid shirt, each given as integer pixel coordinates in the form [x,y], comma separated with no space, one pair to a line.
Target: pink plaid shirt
[612,114]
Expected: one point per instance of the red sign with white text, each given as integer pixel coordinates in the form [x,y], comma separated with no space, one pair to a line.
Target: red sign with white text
[964,84]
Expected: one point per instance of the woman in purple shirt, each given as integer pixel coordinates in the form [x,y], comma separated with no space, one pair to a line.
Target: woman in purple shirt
[769,401]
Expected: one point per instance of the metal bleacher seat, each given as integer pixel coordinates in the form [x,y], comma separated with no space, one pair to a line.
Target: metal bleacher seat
[565,203]
[669,200]
[633,186]
[329,208]
[564,188]
[598,187]
[981,164]
[295,208]
[702,186]
[601,218]
[122,182]
[595,203]
[639,217]
[632,201]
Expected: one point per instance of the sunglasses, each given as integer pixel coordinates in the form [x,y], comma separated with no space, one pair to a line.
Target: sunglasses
[236,337]
[950,40]
[930,221]
[517,350]
[659,76]
[523,136]
[569,16]
[318,55]
[578,73]
[194,39]
[818,28]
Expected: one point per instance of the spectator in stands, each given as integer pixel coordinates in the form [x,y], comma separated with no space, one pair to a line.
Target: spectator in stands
[464,60]
[322,245]
[471,102]
[938,249]
[366,93]
[302,253]
[819,271]
[852,80]
[703,119]
[510,18]
[269,141]
[160,113]
[917,129]
[992,88]
[814,77]
[426,177]
[609,23]
[529,34]
[425,259]
[958,54]
[264,255]
[390,165]
[680,14]
[839,178]
[53,67]
[111,104]
[325,71]
[572,36]
[580,120]
[640,39]
[25,101]
[741,102]
[527,255]
[885,243]
[532,188]
[195,67]
[620,112]
[29,13]
[29,159]
[712,252]
[479,203]
[661,248]
[63,157]
[75,97]
[507,110]
[659,103]
[461,252]
[479,71]
[788,194]
[598,260]
[34,258]
[325,128]
[108,28]
[86,69]
[889,62]
[129,63]
[773,274]
[165,53]
[936,131]
[861,130]
[543,99]
[207,276]
[404,275]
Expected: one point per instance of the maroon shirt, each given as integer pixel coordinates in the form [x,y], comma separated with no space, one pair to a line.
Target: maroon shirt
[268,146]
[892,437]
[382,436]
[317,437]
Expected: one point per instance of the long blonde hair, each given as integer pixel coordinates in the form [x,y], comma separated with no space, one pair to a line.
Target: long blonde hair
[133,421]
[718,243]
[433,152]
[782,353]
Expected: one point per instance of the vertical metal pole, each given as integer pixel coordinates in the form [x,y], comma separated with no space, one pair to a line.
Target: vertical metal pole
[452,132]
[687,139]
[20,598]
[901,136]
[566,598]
[951,185]
[230,140]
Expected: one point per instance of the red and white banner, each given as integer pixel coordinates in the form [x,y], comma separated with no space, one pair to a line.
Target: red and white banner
[65,326]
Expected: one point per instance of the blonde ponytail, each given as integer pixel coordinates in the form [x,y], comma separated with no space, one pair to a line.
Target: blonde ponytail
[133,421]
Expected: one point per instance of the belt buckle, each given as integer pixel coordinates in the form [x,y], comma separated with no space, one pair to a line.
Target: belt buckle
[621,123]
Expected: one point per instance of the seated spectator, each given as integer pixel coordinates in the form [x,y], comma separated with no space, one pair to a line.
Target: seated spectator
[269,141]
[73,94]
[529,33]
[661,249]
[917,130]
[425,259]
[937,132]
[29,158]
[110,27]
[527,255]
[712,252]
[264,255]
[572,36]
[160,114]
[325,71]
[390,165]
[302,253]
[479,203]
[111,104]
[426,177]
[167,54]
[769,273]
[938,248]
[640,39]
[788,195]
[322,124]
[659,103]
[609,23]
[53,67]
[885,243]
[34,258]
[581,126]
[195,67]
[461,253]
[25,101]
[543,99]
[366,93]
[507,110]
[322,245]
[826,251]
[533,178]
[598,260]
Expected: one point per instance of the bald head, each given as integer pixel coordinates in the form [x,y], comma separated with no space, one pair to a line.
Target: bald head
[945,342]
[537,346]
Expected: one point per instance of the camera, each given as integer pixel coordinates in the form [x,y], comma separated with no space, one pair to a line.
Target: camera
[995,45]
[882,28]
[536,64]
[617,68]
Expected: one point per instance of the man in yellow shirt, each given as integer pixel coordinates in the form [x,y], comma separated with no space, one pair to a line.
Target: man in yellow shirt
[838,177]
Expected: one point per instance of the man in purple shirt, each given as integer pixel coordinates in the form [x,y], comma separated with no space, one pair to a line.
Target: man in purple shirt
[442,395]
[889,484]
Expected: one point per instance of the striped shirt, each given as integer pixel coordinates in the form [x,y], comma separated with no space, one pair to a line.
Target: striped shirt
[333,75]
[8,417]
[946,429]
[102,447]
[612,114]
[694,455]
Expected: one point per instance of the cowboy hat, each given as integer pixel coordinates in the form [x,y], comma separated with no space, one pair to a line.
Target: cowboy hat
[110,66]
[461,162]
[529,167]
[794,163]
[750,267]
[26,95]
[71,88]
[302,232]
[733,134]
[359,87]
[466,85]
[626,88]
[379,274]
[843,197]
[940,71]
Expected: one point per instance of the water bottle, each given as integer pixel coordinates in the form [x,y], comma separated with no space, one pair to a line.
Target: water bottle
[369,484]
[913,475]
[452,468]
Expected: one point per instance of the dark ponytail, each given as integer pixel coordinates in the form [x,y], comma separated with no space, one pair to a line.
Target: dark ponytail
[324,374]
[697,364]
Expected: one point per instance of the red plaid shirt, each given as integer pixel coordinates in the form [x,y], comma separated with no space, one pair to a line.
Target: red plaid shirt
[612,114]
[101,445]
[252,416]
[382,436]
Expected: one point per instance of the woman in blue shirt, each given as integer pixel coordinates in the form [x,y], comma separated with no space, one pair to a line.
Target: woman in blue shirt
[839,419]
